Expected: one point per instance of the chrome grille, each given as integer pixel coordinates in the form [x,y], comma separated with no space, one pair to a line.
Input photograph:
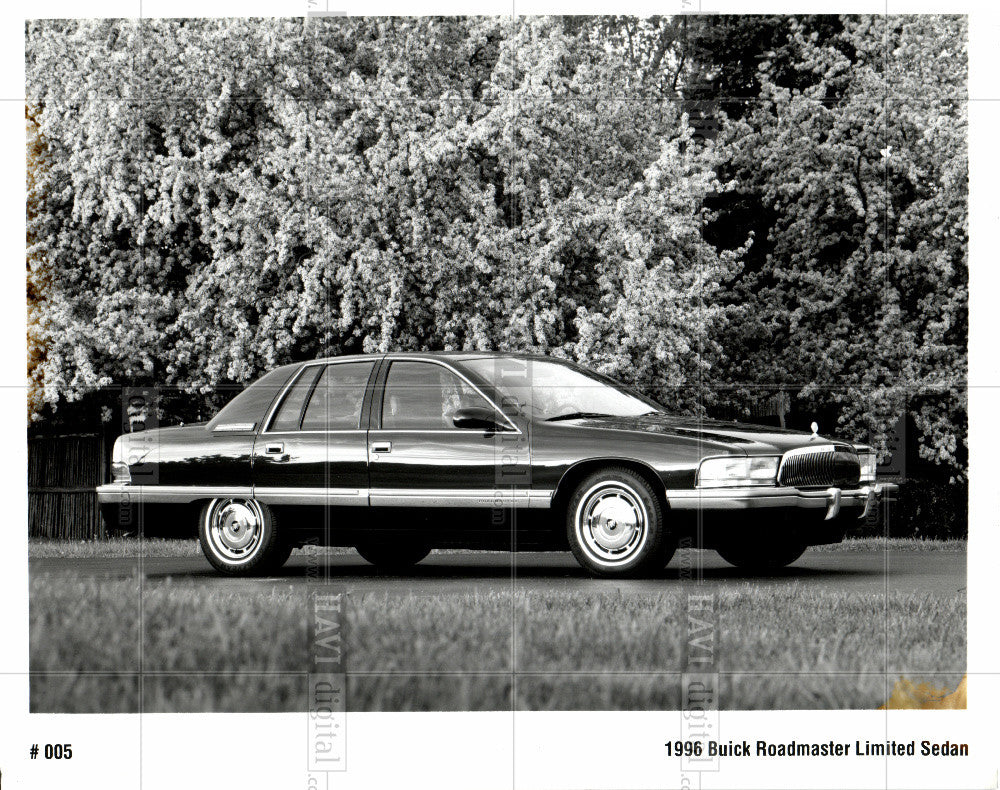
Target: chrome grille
[823,466]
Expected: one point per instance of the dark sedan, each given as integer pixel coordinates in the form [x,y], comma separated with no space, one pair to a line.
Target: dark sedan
[398,454]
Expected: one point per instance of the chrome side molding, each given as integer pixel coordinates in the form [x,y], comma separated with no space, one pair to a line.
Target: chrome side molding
[178,495]
[234,427]
[458,497]
[340,497]
[379,497]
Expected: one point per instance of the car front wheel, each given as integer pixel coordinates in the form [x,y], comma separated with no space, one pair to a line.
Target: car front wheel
[615,525]
[240,537]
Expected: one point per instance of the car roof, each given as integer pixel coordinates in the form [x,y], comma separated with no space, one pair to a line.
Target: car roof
[455,356]
[450,355]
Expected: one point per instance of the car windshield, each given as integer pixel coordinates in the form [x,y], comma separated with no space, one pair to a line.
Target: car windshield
[549,390]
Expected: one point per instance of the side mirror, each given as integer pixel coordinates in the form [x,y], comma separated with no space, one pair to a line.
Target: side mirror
[476,418]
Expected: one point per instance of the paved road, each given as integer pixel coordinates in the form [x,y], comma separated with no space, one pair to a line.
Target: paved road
[862,571]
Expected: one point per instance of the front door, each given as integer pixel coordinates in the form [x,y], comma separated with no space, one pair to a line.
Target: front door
[417,456]
[313,450]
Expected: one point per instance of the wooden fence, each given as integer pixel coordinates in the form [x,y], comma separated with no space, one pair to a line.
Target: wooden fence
[62,474]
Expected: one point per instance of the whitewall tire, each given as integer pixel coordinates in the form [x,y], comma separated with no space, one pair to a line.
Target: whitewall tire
[240,537]
[615,524]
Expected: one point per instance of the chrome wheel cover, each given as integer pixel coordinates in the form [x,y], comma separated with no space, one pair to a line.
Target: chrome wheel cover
[235,529]
[611,523]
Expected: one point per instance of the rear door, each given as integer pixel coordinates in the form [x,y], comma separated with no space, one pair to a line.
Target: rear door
[313,451]
[417,456]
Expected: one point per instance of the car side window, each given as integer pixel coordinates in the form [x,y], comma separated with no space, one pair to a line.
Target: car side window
[290,411]
[335,403]
[424,396]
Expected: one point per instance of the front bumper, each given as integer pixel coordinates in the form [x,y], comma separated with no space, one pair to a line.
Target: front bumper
[865,498]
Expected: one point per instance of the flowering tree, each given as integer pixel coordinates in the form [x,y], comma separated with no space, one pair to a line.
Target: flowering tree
[252,193]
[234,194]
[860,298]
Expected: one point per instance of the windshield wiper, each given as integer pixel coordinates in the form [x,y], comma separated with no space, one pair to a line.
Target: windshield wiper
[576,415]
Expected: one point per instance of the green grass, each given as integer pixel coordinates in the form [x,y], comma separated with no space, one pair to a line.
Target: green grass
[213,648]
[159,547]
[895,544]
[133,547]
[111,547]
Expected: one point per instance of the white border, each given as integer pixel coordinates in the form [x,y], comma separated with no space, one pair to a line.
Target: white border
[475,749]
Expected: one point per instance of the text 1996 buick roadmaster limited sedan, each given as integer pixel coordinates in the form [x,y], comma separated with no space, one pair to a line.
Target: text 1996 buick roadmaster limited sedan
[398,454]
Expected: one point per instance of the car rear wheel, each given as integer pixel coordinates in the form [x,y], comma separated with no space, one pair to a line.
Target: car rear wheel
[394,556]
[760,555]
[240,537]
[615,525]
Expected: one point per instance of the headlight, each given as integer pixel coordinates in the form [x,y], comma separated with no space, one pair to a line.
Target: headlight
[869,462]
[738,471]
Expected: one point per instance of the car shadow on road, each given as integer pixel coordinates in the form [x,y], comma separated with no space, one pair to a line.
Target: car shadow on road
[473,569]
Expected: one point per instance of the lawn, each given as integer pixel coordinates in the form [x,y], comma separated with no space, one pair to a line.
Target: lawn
[102,644]
[159,547]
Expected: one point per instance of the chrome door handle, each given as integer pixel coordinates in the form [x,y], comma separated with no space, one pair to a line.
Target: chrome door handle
[381,447]
[276,452]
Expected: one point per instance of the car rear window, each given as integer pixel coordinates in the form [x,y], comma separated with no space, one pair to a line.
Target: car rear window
[290,411]
[335,402]
[251,405]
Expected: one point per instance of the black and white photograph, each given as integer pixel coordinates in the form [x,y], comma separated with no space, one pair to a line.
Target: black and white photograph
[554,397]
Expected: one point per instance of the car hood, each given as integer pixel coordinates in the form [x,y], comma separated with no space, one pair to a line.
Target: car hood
[752,439]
